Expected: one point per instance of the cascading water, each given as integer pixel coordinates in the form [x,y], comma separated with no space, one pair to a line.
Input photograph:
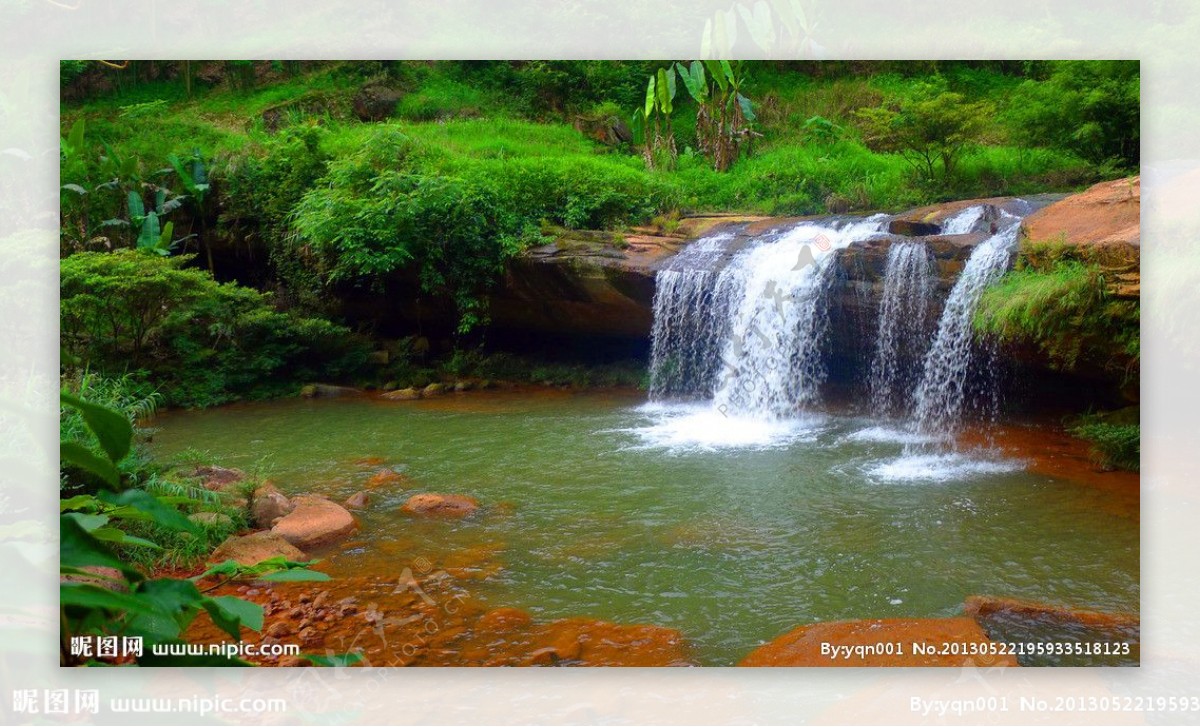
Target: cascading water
[902,339]
[963,221]
[941,395]
[745,326]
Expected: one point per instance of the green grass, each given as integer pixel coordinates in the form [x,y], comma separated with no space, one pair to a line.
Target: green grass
[1114,446]
[1063,306]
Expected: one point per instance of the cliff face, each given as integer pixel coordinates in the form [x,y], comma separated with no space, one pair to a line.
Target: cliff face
[600,285]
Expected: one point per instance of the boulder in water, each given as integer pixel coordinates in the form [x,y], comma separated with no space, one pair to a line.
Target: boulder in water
[433,504]
[434,389]
[357,501]
[384,477]
[406,394]
[255,548]
[315,522]
[269,505]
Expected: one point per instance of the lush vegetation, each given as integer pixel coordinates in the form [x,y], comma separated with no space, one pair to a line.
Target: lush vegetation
[1061,300]
[1115,437]
[313,180]
[121,519]
[201,342]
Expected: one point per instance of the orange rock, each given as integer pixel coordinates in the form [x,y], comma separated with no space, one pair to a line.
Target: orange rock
[430,503]
[981,607]
[255,548]
[384,477]
[502,619]
[811,645]
[589,642]
[1108,213]
[357,501]
[314,523]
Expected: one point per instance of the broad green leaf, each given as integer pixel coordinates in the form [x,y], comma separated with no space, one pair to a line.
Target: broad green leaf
[82,457]
[150,235]
[75,188]
[164,240]
[230,614]
[295,574]
[163,514]
[717,73]
[75,137]
[120,537]
[747,107]
[137,210]
[78,549]
[111,428]
[88,522]
[87,595]
[650,97]
[663,92]
[79,502]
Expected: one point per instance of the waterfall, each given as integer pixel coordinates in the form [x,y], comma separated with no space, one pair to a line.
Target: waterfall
[745,325]
[902,339]
[941,395]
[963,221]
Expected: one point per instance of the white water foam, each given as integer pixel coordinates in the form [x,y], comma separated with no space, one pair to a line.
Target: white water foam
[681,428]
[955,466]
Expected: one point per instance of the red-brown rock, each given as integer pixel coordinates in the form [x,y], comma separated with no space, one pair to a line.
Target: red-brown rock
[315,523]
[433,504]
[357,501]
[268,505]
[255,548]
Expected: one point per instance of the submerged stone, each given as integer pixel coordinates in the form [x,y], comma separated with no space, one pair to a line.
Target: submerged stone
[434,504]
[314,523]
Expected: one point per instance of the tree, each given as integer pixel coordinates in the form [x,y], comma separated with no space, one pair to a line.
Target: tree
[1087,107]
[931,131]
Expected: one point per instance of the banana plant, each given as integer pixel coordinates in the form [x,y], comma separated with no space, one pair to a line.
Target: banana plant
[723,113]
[652,121]
[193,175]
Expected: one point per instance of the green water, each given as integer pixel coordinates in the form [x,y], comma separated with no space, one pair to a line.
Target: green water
[605,509]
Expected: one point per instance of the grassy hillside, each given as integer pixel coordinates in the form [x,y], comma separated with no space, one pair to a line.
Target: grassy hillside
[307,177]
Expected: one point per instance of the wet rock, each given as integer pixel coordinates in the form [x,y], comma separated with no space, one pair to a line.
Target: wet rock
[384,477]
[433,504]
[217,478]
[279,630]
[406,394]
[460,386]
[211,519]
[434,389]
[255,548]
[503,619]
[328,390]
[268,505]
[982,608]
[802,646]
[357,501]
[315,522]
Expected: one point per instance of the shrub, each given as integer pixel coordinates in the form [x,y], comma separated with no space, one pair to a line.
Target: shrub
[396,203]
[200,341]
[1114,446]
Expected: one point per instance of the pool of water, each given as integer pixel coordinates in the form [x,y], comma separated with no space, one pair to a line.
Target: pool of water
[731,531]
